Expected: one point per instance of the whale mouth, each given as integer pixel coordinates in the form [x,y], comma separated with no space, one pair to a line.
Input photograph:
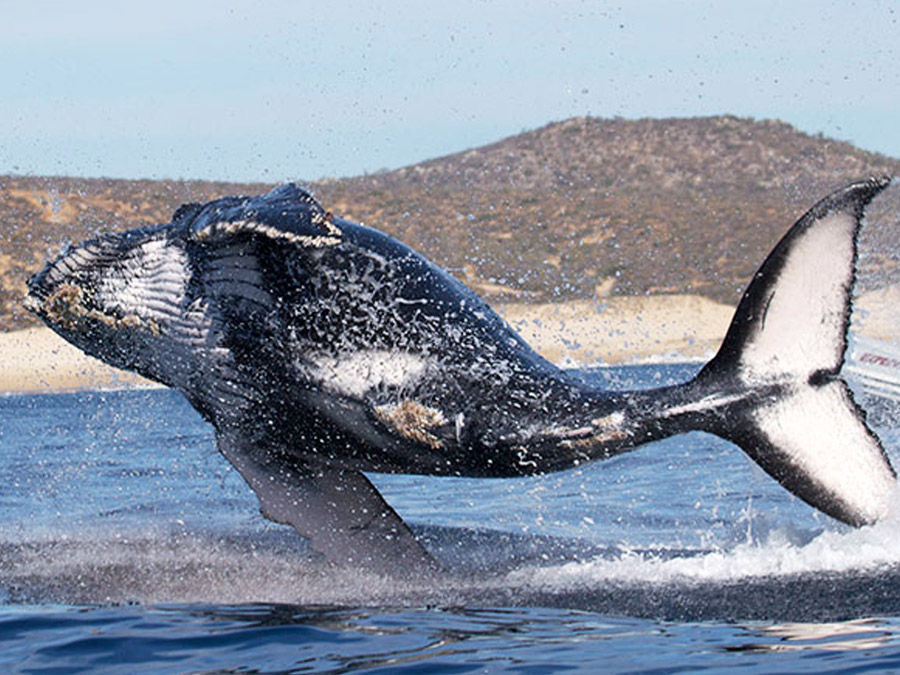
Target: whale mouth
[80,291]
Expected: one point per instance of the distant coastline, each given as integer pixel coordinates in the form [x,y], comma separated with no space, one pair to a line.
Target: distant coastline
[576,209]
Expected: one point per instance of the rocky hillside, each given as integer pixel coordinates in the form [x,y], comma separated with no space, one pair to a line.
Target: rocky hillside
[573,209]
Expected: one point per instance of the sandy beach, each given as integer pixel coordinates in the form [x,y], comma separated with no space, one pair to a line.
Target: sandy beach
[37,360]
[605,330]
[622,329]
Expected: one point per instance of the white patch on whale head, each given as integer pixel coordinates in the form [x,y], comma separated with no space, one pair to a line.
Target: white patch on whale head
[356,373]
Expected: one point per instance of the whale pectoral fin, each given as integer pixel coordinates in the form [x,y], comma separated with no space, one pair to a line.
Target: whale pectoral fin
[341,513]
[287,214]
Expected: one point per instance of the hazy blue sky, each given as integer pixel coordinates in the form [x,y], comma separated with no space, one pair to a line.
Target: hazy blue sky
[283,90]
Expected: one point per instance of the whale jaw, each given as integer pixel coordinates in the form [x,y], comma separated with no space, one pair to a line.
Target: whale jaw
[114,296]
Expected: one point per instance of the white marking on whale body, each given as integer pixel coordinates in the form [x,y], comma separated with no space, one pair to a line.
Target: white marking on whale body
[228,227]
[705,404]
[459,422]
[355,374]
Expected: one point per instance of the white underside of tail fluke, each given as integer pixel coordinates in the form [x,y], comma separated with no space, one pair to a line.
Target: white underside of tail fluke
[823,437]
[802,328]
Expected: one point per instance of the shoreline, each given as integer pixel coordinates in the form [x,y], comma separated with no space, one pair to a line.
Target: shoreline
[617,330]
[38,361]
[623,329]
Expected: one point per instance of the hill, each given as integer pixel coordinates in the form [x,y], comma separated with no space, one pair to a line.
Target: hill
[571,210]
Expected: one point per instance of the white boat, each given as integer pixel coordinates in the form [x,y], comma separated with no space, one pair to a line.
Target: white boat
[874,367]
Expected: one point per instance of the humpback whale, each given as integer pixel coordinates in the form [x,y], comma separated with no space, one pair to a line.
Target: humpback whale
[320,349]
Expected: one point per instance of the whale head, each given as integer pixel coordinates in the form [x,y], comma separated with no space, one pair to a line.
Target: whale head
[180,302]
[116,295]
[249,303]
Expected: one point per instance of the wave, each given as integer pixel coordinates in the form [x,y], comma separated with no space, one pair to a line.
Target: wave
[779,554]
[837,574]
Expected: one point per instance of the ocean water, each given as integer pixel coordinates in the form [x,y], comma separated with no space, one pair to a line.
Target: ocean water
[127,544]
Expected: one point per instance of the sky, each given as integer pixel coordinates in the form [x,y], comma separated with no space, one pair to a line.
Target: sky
[275,90]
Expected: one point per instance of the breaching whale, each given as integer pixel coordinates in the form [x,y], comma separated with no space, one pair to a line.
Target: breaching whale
[319,349]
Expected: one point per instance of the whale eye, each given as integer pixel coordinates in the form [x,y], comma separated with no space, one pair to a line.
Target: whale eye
[186,212]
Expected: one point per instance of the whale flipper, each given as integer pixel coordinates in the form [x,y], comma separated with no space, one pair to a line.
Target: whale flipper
[344,517]
[787,342]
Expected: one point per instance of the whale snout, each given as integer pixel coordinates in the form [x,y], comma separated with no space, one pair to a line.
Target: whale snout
[58,292]
[100,287]
[74,275]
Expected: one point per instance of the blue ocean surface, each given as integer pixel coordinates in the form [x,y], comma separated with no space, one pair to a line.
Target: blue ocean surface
[127,544]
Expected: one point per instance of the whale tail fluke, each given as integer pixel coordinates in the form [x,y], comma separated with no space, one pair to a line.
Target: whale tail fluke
[782,356]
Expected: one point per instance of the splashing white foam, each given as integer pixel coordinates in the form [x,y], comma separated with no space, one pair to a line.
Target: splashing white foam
[845,550]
